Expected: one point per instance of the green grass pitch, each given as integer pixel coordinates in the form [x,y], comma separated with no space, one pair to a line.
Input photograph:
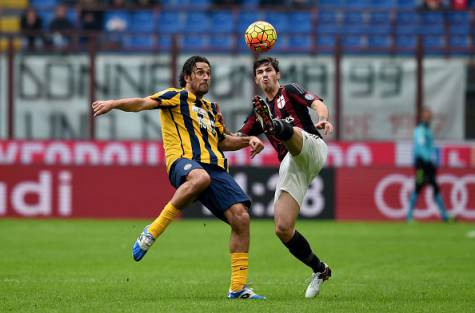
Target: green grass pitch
[87,266]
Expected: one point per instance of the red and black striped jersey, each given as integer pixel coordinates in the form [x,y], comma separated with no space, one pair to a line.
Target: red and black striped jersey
[291,103]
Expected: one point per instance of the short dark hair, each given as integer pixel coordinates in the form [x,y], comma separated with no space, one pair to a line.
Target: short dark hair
[273,62]
[188,67]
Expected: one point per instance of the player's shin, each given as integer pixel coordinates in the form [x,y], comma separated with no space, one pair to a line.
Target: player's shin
[300,248]
[167,215]
[239,270]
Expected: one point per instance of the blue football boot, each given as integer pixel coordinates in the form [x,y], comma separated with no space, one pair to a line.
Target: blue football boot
[142,244]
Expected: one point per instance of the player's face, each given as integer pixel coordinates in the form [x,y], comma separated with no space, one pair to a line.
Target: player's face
[199,79]
[426,116]
[267,78]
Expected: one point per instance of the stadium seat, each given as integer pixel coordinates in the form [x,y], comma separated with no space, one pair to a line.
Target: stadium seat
[222,21]
[44,4]
[170,22]
[406,29]
[326,41]
[278,20]
[327,17]
[460,29]
[431,29]
[406,41]
[432,18]
[246,18]
[377,17]
[47,17]
[197,22]
[194,42]
[250,3]
[331,29]
[407,17]
[299,43]
[383,4]
[219,42]
[142,21]
[358,4]
[354,18]
[351,42]
[459,18]
[200,3]
[138,42]
[433,42]
[301,21]
[379,41]
[459,42]
[407,4]
[165,42]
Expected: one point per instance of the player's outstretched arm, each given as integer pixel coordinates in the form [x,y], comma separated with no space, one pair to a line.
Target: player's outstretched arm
[322,112]
[127,104]
[233,143]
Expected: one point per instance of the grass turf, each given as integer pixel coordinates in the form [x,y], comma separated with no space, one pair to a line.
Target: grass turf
[86,266]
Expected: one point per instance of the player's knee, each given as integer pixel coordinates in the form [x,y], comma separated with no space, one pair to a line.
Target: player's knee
[239,217]
[283,231]
[200,182]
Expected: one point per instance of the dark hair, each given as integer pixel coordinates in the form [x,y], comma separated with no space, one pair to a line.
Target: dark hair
[188,67]
[273,62]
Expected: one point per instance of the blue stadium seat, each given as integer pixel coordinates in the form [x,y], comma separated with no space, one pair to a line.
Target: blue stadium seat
[406,29]
[170,22]
[407,4]
[44,4]
[331,29]
[459,18]
[431,29]
[299,43]
[250,3]
[222,21]
[353,42]
[165,42]
[138,42]
[354,18]
[47,17]
[377,17]
[460,29]
[301,21]
[221,42]
[192,42]
[326,41]
[359,4]
[406,41]
[384,4]
[279,21]
[433,42]
[200,3]
[246,18]
[197,22]
[432,18]
[407,17]
[460,42]
[327,17]
[379,41]
[379,29]
[142,21]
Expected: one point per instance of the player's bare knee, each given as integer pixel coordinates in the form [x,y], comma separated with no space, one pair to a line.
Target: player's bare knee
[239,217]
[283,231]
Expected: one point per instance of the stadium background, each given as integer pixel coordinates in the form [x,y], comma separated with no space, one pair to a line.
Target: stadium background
[374,63]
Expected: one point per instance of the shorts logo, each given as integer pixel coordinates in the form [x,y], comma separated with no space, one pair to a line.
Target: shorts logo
[309,97]
[187,167]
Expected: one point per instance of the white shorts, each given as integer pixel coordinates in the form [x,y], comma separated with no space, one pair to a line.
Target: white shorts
[297,172]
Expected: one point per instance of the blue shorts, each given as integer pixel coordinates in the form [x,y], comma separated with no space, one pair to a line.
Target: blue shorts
[222,192]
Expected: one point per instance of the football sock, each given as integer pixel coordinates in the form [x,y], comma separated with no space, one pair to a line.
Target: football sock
[239,265]
[283,130]
[161,222]
[300,248]
[412,204]
[441,206]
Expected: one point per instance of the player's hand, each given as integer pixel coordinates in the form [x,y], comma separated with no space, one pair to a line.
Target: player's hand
[100,107]
[256,146]
[326,126]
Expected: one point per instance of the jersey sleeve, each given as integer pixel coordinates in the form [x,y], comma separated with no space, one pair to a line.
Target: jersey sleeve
[251,126]
[302,96]
[168,98]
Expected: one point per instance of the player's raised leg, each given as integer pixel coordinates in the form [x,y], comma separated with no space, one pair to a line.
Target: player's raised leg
[197,180]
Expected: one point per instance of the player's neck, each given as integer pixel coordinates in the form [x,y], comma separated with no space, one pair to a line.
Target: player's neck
[271,92]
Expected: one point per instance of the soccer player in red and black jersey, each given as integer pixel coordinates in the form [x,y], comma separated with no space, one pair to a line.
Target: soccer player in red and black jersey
[284,118]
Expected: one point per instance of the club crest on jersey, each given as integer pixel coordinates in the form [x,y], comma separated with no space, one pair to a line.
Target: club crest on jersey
[309,97]
[281,102]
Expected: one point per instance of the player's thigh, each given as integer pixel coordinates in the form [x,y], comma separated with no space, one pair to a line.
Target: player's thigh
[286,211]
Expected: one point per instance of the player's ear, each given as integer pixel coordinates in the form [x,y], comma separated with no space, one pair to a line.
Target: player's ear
[278,75]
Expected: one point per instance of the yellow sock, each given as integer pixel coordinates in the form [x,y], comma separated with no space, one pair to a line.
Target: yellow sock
[239,264]
[161,222]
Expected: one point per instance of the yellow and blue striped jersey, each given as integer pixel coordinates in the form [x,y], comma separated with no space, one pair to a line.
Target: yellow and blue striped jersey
[191,127]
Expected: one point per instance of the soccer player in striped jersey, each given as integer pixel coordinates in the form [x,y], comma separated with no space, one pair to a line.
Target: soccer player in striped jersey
[194,140]
[285,120]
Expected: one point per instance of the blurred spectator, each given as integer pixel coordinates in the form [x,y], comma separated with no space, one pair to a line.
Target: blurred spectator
[31,25]
[146,3]
[273,2]
[117,4]
[60,25]
[433,5]
[226,2]
[460,4]
[91,17]
[298,4]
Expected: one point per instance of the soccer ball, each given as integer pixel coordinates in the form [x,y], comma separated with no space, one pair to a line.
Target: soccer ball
[260,36]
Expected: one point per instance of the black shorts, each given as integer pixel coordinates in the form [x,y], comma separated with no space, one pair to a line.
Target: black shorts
[425,174]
